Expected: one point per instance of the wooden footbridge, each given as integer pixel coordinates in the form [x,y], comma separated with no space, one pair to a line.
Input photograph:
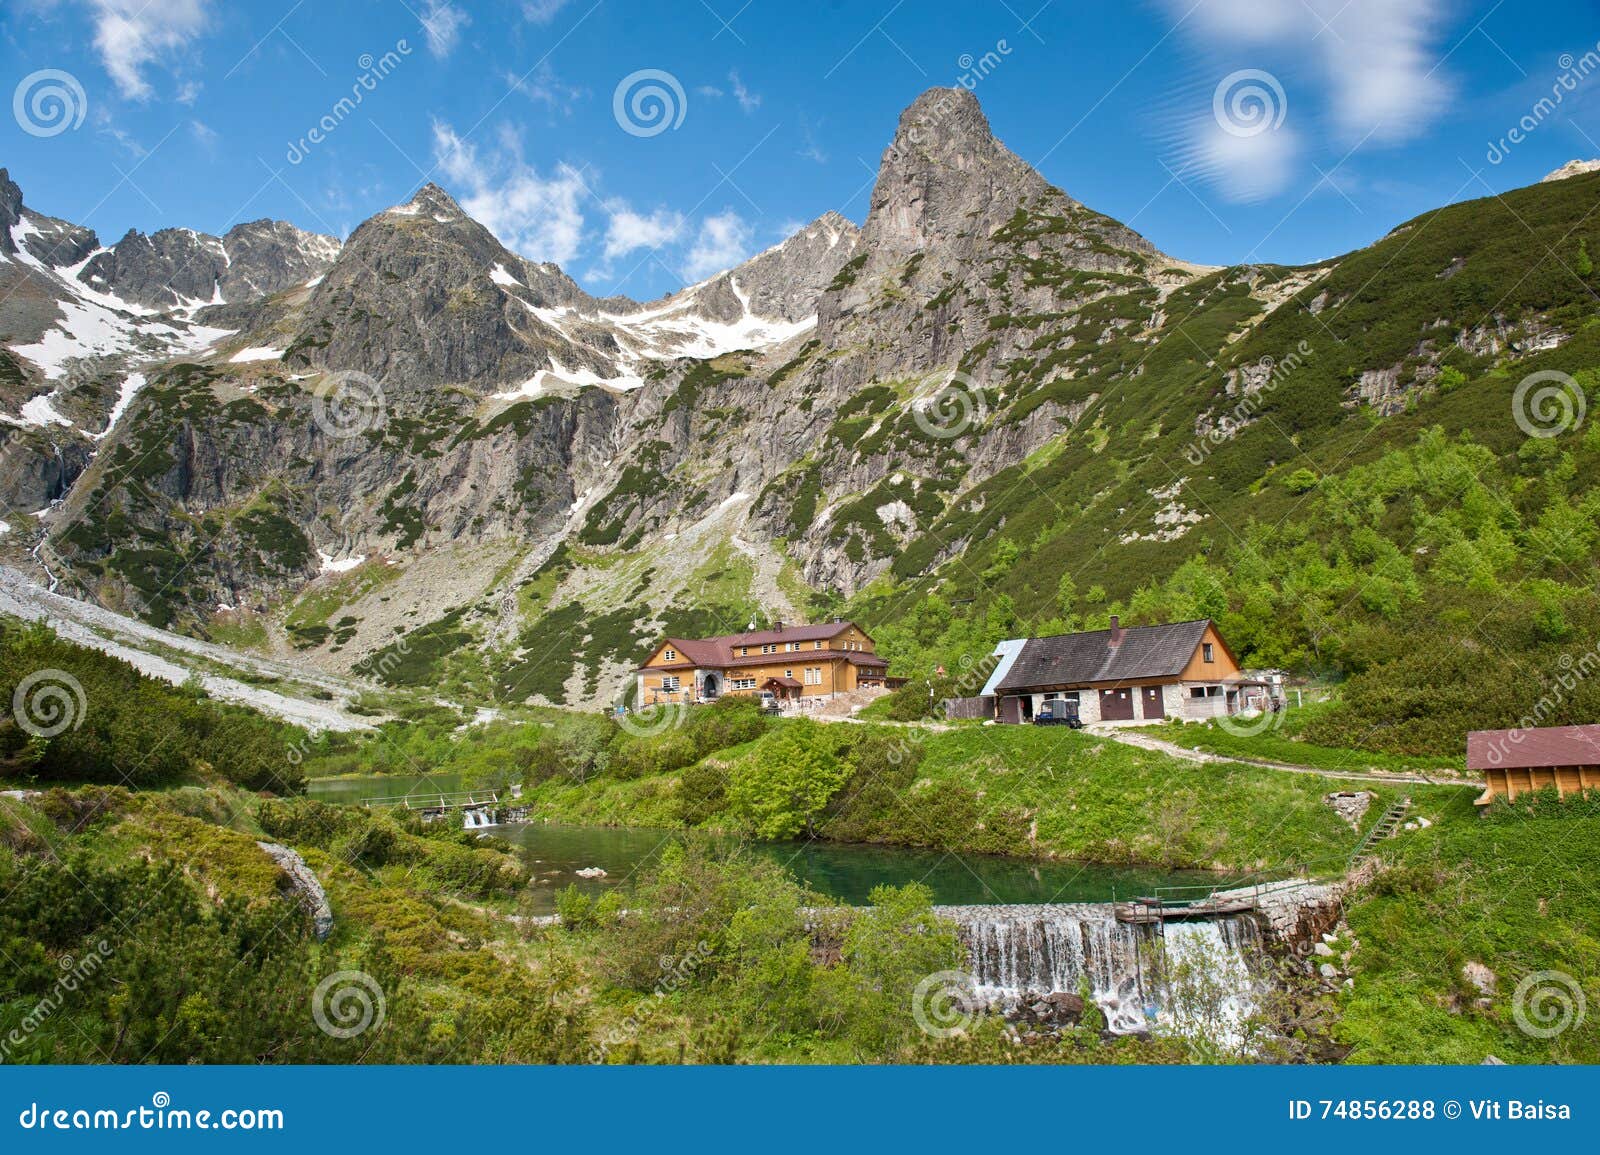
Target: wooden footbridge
[435,804]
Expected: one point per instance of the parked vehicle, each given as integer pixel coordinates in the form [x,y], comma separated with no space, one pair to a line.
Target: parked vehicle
[1058,712]
[769,702]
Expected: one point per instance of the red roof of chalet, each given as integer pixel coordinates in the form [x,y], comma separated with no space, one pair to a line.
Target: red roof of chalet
[720,651]
[1535,746]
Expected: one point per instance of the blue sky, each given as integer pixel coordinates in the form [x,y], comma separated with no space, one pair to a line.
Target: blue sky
[1224,130]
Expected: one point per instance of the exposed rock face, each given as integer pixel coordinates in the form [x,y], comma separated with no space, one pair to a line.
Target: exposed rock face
[786,281]
[49,240]
[1571,169]
[303,884]
[413,302]
[176,267]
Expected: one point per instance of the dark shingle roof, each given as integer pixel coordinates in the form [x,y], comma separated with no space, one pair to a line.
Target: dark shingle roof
[1078,659]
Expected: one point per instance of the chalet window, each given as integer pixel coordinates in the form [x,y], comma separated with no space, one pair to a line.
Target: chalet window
[670,654]
[743,683]
[1206,653]
[788,673]
[669,683]
[813,675]
[816,645]
[769,648]
[794,647]
[744,651]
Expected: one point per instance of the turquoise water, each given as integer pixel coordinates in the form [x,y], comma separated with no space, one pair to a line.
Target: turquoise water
[842,871]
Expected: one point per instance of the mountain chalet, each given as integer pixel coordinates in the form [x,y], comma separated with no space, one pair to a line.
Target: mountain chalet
[790,661]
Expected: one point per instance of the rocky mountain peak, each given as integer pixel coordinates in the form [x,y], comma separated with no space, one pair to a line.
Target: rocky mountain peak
[432,201]
[943,166]
[49,240]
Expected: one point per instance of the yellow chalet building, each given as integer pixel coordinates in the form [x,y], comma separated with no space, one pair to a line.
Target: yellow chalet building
[791,661]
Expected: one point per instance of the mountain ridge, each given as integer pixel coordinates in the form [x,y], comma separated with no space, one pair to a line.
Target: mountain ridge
[874,414]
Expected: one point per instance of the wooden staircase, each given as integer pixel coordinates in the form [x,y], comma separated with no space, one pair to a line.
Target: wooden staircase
[1381,829]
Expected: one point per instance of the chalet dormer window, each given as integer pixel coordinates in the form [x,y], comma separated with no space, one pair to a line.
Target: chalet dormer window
[1206,652]
[670,654]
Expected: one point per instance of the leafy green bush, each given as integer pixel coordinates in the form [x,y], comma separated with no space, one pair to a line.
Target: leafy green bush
[782,787]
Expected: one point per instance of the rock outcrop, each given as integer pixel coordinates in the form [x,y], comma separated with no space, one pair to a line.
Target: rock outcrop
[303,885]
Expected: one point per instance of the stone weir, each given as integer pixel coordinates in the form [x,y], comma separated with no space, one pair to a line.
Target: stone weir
[1017,952]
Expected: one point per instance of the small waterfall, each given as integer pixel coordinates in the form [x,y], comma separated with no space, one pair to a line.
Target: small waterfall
[1016,951]
[476,819]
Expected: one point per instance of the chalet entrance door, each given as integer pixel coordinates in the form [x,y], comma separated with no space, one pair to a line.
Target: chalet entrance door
[1153,705]
[1116,705]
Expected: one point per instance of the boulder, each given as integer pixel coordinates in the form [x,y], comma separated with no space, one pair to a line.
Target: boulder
[303,884]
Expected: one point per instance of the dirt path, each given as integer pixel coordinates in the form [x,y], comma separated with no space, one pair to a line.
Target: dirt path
[1161,745]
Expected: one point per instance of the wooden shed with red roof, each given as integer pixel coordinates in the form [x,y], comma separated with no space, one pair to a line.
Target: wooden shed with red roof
[1522,761]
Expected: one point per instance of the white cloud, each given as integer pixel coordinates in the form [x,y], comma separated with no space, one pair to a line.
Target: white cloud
[628,231]
[539,216]
[723,241]
[130,34]
[203,133]
[443,22]
[748,100]
[542,11]
[1243,168]
[1353,70]
[543,86]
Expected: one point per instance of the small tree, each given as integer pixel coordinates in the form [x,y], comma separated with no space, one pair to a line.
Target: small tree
[782,787]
